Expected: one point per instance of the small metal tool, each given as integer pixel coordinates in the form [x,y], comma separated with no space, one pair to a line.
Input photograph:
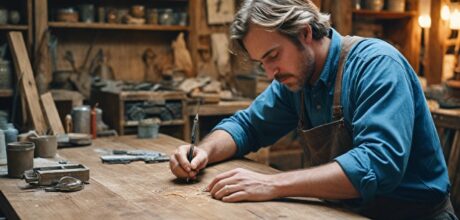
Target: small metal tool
[194,134]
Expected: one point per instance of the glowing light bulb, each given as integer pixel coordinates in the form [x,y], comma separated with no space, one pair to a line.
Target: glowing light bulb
[424,21]
[445,12]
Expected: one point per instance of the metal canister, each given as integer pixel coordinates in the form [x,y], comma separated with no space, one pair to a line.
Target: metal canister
[81,119]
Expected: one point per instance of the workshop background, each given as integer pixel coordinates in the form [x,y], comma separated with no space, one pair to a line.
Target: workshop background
[106,68]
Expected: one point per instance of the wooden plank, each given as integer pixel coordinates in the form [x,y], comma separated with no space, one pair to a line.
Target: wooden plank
[26,77]
[52,114]
[150,191]
[6,92]
[13,27]
[107,26]
[383,15]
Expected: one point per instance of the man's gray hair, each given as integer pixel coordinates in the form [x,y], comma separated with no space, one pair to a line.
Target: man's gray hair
[289,17]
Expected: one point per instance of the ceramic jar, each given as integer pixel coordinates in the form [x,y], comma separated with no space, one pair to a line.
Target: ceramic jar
[166,17]
[396,5]
[20,157]
[374,5]
[11,133]
[14,17]
[3,16]
[5,74]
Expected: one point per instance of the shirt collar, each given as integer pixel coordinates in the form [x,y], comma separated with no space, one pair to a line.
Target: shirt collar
[330,66]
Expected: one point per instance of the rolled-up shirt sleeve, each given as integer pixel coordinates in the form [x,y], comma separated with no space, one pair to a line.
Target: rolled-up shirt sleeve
[382,125]
[270,116]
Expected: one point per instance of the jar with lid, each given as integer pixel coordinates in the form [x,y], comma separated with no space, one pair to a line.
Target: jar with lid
[166,17]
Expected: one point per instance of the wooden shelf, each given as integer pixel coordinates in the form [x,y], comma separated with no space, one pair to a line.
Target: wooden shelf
[6,92]
[106,26]
[14,27]
[384,15]
[163,123]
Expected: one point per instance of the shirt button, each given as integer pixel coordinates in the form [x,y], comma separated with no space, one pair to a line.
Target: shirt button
[318,107]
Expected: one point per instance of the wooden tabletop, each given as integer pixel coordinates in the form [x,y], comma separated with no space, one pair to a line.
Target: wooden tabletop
[147,191]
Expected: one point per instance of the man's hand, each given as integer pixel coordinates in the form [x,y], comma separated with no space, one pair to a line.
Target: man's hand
[242,185]
[182,168]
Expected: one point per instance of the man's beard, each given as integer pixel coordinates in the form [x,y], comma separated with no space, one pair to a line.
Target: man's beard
[306,72]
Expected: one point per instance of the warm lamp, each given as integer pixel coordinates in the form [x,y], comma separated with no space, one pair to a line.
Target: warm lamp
[424,19]
[455,17]
[445,12]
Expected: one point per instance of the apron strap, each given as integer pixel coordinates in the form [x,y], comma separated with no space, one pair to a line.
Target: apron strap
[347,43]
[302,111]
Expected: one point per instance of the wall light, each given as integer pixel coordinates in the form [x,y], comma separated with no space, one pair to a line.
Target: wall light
[424,19]
[445,12]
[455,17]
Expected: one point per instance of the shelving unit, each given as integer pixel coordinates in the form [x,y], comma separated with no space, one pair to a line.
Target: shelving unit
[25,26]
[114,106]
[346,19]
[124,44]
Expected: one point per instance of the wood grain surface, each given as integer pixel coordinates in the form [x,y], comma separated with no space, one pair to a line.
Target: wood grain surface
[148,191]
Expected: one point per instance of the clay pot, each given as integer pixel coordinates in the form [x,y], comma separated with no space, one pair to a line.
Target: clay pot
[45,146]
[20,157]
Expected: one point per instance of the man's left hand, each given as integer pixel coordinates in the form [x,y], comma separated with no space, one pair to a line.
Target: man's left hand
[242,185]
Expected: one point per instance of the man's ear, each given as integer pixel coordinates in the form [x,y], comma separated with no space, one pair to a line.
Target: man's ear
[306,35]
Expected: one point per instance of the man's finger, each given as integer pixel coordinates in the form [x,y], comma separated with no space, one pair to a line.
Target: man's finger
[176,169]
[236,197]
[220,177]
[227,190]
[199,161]
[181,157]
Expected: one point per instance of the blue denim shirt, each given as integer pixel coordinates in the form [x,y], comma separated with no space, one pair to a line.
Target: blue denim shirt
[396,151]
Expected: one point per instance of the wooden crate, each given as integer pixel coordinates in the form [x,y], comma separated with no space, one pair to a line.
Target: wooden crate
[113,106]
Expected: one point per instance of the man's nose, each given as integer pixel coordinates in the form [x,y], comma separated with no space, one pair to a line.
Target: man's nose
[271,72]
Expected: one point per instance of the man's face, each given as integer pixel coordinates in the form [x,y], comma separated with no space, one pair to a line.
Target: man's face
[283,60]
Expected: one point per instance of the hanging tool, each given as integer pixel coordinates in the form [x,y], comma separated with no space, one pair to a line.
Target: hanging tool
[194,133]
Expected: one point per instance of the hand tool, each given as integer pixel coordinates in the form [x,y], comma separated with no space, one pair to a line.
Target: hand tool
[194,134]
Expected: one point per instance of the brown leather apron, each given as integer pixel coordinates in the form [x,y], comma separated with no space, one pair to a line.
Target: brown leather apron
[323,143]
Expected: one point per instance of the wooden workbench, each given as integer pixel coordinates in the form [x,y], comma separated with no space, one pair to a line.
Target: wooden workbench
[219,109]
[147,191]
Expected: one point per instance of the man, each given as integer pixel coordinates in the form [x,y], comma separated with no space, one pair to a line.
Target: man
[357,105]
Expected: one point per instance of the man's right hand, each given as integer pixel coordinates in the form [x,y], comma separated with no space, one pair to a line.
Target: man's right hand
[182,168]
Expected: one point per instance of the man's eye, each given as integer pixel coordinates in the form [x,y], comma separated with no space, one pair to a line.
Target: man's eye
[260,66]
[273,55]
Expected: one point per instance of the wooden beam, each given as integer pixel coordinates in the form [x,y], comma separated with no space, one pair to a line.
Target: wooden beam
[341,14]
[41,54]
[26,79]
[436,47]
